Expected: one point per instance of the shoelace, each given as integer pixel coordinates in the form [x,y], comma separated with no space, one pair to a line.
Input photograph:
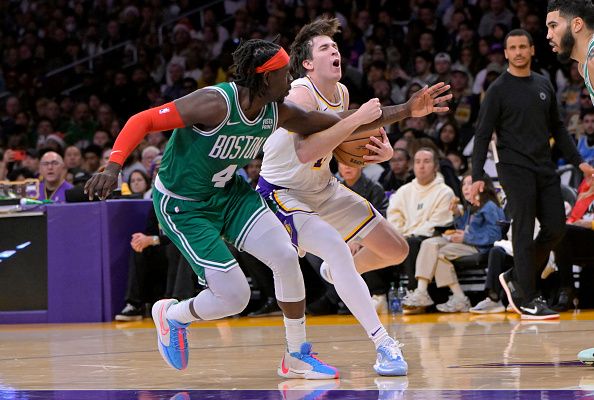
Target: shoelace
[394,349]
[129,307]
[540,301]
[313,356]
[174,337]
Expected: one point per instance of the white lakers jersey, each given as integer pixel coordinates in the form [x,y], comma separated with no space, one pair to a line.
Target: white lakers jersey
[281,167]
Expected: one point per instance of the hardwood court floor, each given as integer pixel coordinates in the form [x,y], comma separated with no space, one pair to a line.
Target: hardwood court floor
[444,352]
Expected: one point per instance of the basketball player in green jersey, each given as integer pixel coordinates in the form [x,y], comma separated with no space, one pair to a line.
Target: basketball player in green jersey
[570,33]
[200,200]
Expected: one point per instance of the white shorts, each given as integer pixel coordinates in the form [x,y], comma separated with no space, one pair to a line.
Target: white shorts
[350,214]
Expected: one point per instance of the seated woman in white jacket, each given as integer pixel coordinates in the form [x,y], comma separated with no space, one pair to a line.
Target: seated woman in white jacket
[476,231]
[419,206]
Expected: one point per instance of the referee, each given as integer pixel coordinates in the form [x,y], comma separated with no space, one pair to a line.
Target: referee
[520,107]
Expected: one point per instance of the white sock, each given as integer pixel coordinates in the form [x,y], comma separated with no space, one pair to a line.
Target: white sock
[325,273]
[378,335]
[295,332]
[180,312]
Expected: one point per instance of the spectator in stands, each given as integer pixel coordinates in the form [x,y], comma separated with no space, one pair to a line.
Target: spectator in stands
[148,156]
[419,206]
[91,158]
[476,230]
[72,157]
[448,137]
[464,105]
[101,138]
[138,182]
[31,161]
[147,270]
[53,173]
[443,64]
[498,262]
[82,127]
[399,173]
[423,63]
[576,246]
[498,13]
[586,142]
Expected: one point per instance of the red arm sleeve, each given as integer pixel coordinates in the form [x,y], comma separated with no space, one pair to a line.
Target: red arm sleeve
[163,118]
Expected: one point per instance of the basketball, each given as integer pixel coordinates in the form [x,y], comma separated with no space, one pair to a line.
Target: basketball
[351,151]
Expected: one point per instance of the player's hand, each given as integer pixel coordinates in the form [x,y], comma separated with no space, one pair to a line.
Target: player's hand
[382,149]
[476,188]
[369,112]
[103,183]
[587,170]
[425,100]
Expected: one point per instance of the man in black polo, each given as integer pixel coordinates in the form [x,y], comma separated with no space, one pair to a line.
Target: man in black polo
[521,108]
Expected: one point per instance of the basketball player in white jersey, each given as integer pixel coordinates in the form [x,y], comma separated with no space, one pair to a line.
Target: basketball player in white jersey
[570,33]
[322,215]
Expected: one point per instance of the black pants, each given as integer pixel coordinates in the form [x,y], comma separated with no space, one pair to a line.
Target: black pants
[499,262]
[147,275]
[577,247]
[532,194]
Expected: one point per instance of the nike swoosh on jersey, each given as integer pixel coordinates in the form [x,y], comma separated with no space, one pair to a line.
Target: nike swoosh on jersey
[232,123]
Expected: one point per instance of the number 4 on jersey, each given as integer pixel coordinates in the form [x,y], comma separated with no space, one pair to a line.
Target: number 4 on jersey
[222,177]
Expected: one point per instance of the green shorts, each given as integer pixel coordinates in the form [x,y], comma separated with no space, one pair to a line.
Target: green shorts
[198,227]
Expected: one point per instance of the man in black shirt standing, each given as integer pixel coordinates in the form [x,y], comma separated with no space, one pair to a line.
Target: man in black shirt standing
[521,108]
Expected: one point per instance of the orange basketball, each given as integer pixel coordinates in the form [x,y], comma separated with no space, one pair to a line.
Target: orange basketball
[351,151]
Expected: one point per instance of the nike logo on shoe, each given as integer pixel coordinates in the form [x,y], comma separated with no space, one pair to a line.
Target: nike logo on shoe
[283,367]
[529,310]
[164,331]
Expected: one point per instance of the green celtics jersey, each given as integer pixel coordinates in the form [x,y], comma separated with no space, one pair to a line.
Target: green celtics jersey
[197,164]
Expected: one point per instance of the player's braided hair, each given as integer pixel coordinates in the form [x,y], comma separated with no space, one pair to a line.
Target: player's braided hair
[301,47]
[574,8]
[248,56]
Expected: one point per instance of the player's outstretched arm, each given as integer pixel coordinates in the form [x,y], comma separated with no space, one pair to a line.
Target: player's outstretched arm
[421,103]
[204,107]
[332,129]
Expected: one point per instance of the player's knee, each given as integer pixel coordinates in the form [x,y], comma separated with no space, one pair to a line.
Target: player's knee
[285,258]
[397,251]
[239,297]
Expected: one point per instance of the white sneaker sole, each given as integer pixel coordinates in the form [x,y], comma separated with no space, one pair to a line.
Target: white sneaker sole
[508,294]
[156,314]
[293,374]
[491,311]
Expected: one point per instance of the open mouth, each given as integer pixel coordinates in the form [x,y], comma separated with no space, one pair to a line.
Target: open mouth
[336,63]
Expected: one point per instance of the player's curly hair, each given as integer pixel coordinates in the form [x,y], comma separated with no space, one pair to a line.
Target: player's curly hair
[301,47]
[249,55]
[569,9]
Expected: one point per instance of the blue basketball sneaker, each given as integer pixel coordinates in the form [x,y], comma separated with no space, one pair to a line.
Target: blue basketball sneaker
[305,365]
[171,336]
[390,361]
